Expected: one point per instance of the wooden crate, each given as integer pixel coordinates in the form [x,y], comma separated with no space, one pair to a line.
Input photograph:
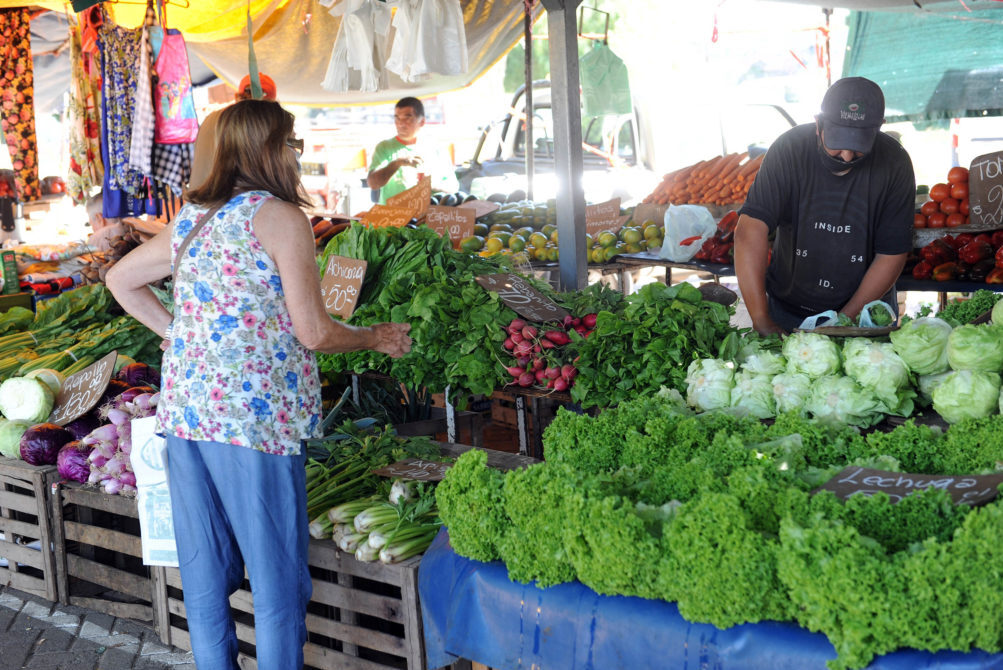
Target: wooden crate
[27,561]
[362,616]
[99,556]
[503,410]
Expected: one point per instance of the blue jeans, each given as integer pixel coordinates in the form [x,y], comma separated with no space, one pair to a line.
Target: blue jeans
[235,507]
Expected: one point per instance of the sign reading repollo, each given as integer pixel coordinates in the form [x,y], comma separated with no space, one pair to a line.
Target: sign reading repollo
[82,391]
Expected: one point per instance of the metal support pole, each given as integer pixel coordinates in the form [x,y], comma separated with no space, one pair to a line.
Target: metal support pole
[356,391]
[530,142]
[523,429]
[566,106]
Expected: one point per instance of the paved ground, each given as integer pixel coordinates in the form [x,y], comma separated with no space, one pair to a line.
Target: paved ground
[35,633]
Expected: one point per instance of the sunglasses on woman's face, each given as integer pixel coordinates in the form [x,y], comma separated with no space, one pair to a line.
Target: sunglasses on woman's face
[296,144]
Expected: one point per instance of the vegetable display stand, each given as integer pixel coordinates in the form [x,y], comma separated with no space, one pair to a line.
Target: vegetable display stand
[468,426]
[99,556]
[27,562]
[362,616]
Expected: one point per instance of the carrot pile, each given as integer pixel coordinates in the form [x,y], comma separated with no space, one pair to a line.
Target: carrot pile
[722,180]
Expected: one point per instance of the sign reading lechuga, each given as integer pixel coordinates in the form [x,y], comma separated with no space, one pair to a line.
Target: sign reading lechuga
[963,489]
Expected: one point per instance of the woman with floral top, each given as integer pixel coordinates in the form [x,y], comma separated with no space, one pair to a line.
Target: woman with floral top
[240,382]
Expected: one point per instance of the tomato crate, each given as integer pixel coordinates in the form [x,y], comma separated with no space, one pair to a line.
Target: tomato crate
[99,562]
[27,560]
[362,616]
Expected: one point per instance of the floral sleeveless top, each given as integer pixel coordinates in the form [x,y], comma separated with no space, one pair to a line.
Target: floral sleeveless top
[234,371]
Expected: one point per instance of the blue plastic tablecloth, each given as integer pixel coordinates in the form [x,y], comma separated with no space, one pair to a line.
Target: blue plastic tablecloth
[472,610]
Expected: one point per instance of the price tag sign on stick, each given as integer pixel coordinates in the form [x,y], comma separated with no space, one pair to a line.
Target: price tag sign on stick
[384,216]
[604,216]
[518,294]
[985,190]
[82,390]
[341,284]
[964,489]
[457,222]
[416,198]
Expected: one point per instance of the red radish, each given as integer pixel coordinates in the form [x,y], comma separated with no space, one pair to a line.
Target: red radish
[576,321]
[581,330]
[588,332]
[568,371]
[516,325]
[557,337]
[540,376]
[589,320]
[508,343]
[515,371]
[547,344]
[523,349]
[537,348]
[526,379]
[552,373]
[529,332]
[568,321]
[539,364]
[560,384]
[522,361]
[516,338]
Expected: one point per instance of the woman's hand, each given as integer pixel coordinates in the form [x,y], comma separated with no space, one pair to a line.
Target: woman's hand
[391,338]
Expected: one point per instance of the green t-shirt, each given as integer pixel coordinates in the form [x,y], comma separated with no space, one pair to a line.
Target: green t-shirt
[435,166]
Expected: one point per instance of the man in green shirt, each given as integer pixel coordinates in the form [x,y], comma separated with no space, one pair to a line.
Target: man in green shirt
[400,162]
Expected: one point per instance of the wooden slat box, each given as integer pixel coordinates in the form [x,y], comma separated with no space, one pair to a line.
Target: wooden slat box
[27,561]
[99,556]
[362,616]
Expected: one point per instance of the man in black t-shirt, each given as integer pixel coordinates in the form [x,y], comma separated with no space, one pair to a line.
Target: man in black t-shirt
[839,195]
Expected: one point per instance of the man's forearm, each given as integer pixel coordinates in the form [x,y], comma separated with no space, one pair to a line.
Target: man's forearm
[379,178]
[877,281]
[751,254]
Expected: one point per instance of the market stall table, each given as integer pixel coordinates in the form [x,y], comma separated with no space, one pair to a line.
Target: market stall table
[472,610]
[650,259]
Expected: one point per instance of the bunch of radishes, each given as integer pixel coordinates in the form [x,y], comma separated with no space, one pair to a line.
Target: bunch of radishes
[112,443]
[540,357]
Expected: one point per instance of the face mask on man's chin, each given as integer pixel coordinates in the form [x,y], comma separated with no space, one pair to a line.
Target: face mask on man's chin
[835,164]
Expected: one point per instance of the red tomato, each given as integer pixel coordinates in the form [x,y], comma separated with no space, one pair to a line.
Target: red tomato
[940,191]
[957,175]
[959,191]
[936,220]
[954,220]
[963,207]
[919,221]
[929,207]
[949,205]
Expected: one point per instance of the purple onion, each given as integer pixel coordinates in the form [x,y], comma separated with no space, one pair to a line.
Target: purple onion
[83,425]
[139,374]
[72,462]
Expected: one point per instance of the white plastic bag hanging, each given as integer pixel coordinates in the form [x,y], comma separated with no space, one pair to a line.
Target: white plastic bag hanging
[429,38]
[360,45]
[687,227]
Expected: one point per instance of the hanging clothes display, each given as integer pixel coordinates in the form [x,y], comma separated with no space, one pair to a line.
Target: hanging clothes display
[124,189]
[176,122]
[84,114]
[172,163]
[17,106]
[141,144]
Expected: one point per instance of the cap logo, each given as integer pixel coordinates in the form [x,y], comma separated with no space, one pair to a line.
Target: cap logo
[852,111]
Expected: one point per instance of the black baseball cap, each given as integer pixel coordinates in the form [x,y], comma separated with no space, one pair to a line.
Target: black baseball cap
[853,110]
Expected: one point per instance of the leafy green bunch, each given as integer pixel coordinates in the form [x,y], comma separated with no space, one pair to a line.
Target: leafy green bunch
[649,344]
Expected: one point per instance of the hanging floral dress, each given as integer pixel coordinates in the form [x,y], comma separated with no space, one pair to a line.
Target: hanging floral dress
[17,104]
[86,168]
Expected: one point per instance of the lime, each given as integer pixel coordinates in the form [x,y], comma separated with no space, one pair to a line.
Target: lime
[651,232]
[494,244]
[631,235]
[516,243]
[654,243]
[552,254]
[632,248]
[472,243]
[538,240]
[481,229]
[607,239]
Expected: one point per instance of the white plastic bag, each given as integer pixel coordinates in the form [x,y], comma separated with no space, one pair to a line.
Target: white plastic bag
[429,38]
[359,46]
[687,227]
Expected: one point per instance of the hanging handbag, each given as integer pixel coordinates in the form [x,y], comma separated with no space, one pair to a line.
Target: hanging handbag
[176,122]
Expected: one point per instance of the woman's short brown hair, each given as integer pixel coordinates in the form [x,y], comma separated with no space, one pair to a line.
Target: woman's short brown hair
[252,154]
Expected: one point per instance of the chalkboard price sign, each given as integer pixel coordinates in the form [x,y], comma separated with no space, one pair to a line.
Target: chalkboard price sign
[82,390]
[341,284]
[963,489]
[416,198]
[985,190]
[457,222]
[518,294]
[415,468]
